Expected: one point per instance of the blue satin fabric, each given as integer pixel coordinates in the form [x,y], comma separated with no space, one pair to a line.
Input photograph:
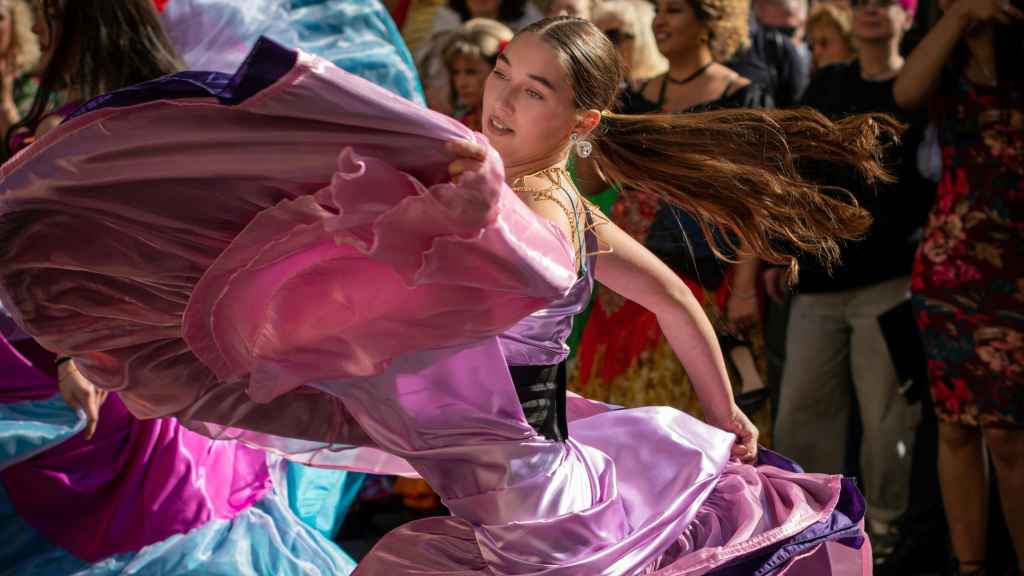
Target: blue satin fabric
[360,37]
[28,428]
[264,539]
[320,497]
[356,35]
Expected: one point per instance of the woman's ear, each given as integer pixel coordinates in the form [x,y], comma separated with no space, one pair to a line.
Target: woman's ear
[587,122]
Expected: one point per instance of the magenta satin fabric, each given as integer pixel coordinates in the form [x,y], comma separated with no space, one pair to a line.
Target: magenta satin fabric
[297,272]
[135,483]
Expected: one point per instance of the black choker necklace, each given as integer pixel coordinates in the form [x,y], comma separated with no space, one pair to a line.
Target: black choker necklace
[691,77]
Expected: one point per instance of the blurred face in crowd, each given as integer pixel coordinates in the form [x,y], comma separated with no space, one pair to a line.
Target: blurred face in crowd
[677,30]
[619,34]
[484,8]
[827,45]
[784,16]
[574,8]
[5,26]
[529,106]
[47,28]
[469,75]
[879,20]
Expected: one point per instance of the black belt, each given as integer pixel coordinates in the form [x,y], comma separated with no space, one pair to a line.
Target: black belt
[541,391]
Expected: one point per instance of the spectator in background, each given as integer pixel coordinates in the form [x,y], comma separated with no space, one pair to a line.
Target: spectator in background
[516,14]
[829,34]
[968,279]
[469,58]
[786,16]
[19,53]
[835,343]
[628,24]
[575,8]
[776,63]
[80,63]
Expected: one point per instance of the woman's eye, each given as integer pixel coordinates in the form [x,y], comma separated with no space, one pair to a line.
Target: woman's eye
[499,75]
[534,94]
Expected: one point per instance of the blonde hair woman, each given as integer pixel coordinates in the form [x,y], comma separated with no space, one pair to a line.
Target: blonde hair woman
[627,23]
[19,53]
[830,34]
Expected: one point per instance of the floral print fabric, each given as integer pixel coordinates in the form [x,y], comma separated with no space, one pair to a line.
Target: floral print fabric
[968,279]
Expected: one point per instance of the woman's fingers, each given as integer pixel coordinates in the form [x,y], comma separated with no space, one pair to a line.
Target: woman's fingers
[81,394]
[469,157]
[462,165]
[92,412]
[467,149]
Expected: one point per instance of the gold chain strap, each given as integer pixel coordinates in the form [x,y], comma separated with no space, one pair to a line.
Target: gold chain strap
[554,176]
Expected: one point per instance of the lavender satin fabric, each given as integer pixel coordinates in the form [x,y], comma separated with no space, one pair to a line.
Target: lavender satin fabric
[337,300]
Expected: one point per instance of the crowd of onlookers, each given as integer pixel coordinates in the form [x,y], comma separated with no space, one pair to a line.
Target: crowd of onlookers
[902,366]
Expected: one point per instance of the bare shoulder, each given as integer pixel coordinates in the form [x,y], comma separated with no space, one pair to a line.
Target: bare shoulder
[556,203]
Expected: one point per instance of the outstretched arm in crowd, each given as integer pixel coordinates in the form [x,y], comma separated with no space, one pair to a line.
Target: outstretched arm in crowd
[920,75]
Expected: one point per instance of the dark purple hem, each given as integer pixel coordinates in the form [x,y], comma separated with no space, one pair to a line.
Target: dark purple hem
[266,63]
[842,526]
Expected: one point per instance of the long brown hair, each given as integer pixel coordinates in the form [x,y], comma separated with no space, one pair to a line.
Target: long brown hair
[737,170]
[103,45]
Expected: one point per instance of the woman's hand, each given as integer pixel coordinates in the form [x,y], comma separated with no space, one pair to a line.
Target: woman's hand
[978,11]
[776,285]
[79,393]
[745,448]
[742,311]
[469,157]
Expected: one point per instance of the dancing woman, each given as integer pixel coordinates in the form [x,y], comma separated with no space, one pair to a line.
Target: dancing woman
[403,307]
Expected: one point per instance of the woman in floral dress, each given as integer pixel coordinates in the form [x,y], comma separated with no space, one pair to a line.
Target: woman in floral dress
[968,280]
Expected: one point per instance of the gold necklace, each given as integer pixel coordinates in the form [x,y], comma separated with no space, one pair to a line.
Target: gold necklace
[554,176]
[552,173]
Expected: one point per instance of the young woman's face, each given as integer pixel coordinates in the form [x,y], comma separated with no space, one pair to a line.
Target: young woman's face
[47,28]
[469,74]
[828,46]
[484,8]
[876,20]
[574,8]
[529,107]
[677,30]
[619,34]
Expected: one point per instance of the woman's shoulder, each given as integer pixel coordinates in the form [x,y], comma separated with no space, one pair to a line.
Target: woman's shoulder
[633,98]
[741,92]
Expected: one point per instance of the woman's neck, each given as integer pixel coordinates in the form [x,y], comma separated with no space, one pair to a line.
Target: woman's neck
[72,93]
[879,60]
[685,65]
[516,171]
